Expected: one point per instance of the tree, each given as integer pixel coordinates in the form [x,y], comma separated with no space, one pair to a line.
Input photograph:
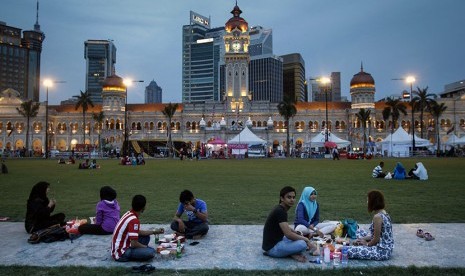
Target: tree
[29,110]
[288,110]
[437,110]
[169,111]
[84,101]
[99,118]
[424,101]
[393,109]
[364,115]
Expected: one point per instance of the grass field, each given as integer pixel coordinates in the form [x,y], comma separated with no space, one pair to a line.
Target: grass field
[242,191]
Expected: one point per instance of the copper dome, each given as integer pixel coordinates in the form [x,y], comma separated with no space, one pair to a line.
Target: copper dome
[113,81]
[236,21]
[362,78]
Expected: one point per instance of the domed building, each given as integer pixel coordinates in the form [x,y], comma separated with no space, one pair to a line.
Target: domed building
[362,90]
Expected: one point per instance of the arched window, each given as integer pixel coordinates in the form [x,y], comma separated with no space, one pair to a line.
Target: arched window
[178,125]
[188,125]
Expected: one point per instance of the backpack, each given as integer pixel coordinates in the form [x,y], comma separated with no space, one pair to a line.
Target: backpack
[49,234]
[350,227]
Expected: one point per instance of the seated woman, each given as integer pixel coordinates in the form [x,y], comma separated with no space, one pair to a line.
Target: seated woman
[419,172]
[307,216]
[379,242]
[71,160]
[107,214]
[84,165]
[399,171]
[39,209]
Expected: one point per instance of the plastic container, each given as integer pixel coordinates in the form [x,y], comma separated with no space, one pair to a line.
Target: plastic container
[336,258]
[327,255]
[178,249]
[344,254]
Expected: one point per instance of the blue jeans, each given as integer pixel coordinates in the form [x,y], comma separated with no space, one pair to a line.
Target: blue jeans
[287,247]
[138,254]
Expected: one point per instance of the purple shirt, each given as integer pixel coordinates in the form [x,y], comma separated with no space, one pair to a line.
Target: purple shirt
[107,214]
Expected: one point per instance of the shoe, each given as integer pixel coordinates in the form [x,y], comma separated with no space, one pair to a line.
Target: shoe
[420,233]
[143,268]
[428,236]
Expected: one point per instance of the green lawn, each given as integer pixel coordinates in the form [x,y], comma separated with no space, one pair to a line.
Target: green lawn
[242,191]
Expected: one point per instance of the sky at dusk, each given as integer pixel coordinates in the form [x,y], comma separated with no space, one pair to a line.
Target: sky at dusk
[393,38]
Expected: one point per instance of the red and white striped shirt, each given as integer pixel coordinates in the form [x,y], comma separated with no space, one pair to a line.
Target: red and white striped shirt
[126,230]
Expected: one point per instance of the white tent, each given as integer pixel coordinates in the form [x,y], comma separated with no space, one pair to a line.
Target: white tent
[398,144]
[255,145]
[453,140]
[319,140]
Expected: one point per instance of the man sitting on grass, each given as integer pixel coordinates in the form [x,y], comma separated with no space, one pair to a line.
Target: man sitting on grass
[378,171]
[196,209]
[279,240]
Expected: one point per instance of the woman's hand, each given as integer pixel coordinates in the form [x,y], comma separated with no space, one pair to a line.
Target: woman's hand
[51,203]
[359,242]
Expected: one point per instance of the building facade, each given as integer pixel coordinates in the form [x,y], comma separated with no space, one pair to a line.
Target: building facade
[198,123]
[294,84]
[153,93]
[20,59]
[100,56]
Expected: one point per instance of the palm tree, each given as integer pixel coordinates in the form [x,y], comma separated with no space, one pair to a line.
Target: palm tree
[29,110]
[393,109]
[84,101]
[437,110]
[99,118]
[169,111]
[424,101]
[288,110]
[364,115]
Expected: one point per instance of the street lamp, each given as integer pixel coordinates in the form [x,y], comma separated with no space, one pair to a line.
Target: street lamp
[326,81]
[48,83]
[411,80]
[127,83]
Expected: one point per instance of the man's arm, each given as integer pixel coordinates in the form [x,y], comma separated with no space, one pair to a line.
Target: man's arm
[292,235]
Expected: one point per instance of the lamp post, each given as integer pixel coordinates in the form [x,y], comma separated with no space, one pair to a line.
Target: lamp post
[326,82]
[48,83]
[411,80]
[127,83]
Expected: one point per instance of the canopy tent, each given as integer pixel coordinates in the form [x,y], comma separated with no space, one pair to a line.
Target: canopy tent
[255,145]
[398,144]
[453,140]
[217,141]
[319,140]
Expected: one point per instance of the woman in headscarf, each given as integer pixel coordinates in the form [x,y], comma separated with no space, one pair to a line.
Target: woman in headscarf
[307,215]
[419,172]
[399,171]
[39,209]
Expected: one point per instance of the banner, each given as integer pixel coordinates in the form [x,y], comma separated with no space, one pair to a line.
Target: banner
[237,146]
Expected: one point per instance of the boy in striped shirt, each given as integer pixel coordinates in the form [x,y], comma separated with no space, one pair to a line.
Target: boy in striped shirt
[129,242]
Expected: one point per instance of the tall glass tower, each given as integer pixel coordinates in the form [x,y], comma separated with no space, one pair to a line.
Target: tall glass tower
[202,50]
[100,58]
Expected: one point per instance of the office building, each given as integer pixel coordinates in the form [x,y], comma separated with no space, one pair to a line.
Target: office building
[20,59]
[153,93]
[100,58]
[333,92]
[294,85]
[266,78]
[202,48]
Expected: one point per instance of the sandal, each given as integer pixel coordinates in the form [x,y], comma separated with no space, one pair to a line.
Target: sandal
[420,233]
[428,236]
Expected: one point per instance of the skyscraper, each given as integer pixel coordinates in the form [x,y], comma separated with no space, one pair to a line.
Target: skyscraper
[153,93]
[100,58]
[20,59]
[294,77]
[202,50]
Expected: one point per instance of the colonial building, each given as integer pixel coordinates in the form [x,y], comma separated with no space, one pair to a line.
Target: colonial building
[200,122]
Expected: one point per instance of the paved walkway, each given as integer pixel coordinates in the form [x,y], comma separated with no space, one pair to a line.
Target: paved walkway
[230,247]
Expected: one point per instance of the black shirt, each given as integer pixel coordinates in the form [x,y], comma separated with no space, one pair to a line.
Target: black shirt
[272,233]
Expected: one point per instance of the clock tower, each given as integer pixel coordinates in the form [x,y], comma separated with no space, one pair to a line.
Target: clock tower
[236,58]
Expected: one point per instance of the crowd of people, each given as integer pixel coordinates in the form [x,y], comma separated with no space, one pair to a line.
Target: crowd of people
[129,242]
[418,172]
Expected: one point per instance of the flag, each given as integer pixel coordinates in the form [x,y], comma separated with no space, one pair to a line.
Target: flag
[451,129]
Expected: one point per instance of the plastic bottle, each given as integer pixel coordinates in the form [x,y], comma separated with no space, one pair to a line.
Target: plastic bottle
[345,254]
[178,249]
[157,238]
[327,258]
